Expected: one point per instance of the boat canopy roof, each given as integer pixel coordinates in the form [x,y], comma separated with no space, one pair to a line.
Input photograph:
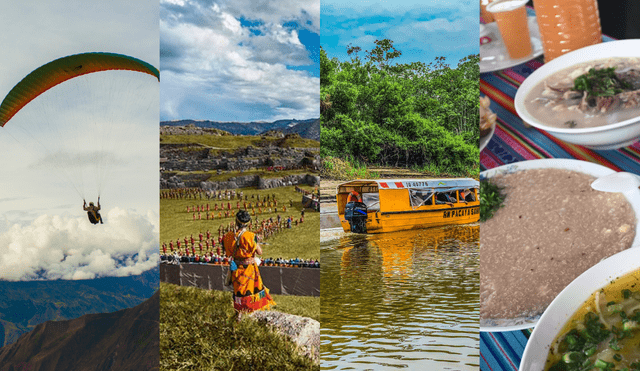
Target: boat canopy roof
[426,184]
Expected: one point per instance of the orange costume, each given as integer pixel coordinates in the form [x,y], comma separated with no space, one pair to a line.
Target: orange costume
[249,293]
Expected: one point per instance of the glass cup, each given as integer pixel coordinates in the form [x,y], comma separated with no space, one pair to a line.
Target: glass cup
[567,25]
[484,14]
[511,18]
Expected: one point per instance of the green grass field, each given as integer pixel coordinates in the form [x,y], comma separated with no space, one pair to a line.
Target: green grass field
[176,223]
[232,142]
[198,332]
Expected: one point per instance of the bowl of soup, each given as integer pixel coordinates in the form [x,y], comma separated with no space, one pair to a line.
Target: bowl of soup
[589,97]
[570,310]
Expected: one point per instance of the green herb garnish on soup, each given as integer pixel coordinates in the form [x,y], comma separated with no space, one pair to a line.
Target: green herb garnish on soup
[604,334]
[601,83]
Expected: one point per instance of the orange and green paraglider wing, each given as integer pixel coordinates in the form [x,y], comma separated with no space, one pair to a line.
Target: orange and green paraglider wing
[63,69]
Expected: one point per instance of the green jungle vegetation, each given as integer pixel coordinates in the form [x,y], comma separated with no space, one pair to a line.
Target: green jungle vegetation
[375,112]
[176,222]
[198,332]
[233,142]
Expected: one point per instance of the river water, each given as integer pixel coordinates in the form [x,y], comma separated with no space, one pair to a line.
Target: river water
[401,300]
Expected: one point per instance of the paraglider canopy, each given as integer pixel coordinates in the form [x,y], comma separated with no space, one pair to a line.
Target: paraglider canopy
[63,69]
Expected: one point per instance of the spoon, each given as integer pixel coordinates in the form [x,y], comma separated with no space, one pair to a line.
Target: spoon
[616,182]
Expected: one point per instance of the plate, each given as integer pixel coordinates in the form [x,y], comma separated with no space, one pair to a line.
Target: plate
[612,136]
[570,300]
[494,56]
[574,165]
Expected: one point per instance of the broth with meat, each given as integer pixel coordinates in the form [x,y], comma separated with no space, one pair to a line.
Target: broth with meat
[589,94]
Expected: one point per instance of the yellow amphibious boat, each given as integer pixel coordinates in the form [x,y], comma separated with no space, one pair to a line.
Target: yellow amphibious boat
[387,205]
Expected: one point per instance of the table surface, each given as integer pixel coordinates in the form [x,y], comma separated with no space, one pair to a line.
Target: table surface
[513,142]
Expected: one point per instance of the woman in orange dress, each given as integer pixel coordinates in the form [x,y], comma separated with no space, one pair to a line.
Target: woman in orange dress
[249,293]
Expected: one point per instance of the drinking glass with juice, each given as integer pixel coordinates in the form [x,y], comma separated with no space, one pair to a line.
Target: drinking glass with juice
[511,18]
[484,14]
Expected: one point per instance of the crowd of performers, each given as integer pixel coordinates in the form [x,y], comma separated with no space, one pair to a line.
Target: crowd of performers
[227,194]
[204,194]
[207,194]
[257,208]
[208,248]
[236,201]
[176,258]
[212,211]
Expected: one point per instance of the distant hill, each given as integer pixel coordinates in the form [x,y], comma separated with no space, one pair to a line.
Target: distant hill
[123,340]
[23,305]
[306,128]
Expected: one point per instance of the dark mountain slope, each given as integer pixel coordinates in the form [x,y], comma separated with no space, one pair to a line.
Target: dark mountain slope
[124,340]
[24,305]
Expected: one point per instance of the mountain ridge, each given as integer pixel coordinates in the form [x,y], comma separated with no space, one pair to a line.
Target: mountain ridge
[25,304]
[124,340]
[309,128]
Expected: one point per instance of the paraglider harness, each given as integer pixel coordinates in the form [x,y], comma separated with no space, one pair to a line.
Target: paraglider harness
[92,212]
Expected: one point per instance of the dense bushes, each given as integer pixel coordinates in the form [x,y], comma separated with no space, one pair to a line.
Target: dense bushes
[423,116]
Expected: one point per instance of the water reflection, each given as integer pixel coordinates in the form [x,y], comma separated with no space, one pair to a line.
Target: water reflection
[401,300]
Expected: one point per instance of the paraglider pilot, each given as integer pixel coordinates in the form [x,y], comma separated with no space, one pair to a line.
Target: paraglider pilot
[92,212]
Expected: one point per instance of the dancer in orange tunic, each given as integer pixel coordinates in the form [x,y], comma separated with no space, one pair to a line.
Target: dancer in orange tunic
[249,293]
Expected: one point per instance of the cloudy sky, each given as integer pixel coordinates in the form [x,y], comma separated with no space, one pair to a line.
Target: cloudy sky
[239,60]
[420,29]
[48,150]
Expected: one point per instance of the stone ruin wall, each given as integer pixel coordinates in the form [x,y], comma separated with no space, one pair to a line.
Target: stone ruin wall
[195,181]
[174,158]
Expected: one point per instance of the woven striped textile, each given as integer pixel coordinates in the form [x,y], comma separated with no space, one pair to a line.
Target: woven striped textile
[513,142]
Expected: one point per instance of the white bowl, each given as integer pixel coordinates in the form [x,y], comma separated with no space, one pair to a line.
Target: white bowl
[485,139]
[612,136]
[570,300]
[575,165]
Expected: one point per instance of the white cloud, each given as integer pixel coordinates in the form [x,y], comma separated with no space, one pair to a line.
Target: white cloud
[439,33]
[173,2]
[277,12]
[208,59]
[57,247]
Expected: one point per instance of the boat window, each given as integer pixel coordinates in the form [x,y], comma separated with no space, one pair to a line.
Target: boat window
[372,200]
[420,197]
[445,197]
[470,196]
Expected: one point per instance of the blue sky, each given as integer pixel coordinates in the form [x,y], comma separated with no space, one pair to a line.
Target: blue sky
[243,60]
[420,29]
